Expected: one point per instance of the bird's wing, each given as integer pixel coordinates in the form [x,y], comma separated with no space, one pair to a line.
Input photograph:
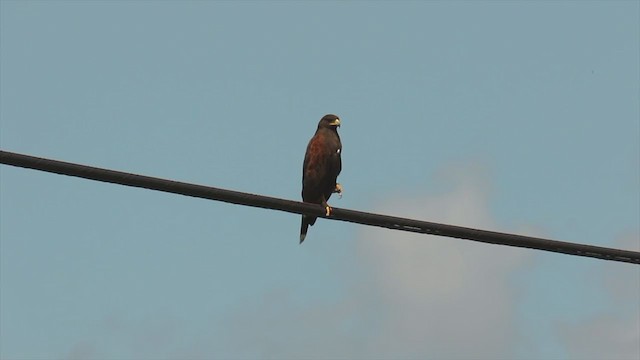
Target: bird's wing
[315,164]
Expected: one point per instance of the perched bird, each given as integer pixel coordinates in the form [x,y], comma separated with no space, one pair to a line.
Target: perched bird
[321,167]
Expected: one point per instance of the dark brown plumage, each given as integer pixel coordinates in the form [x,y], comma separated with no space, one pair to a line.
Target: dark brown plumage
[322,164]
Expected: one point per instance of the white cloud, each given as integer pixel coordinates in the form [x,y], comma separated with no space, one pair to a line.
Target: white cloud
[447,298]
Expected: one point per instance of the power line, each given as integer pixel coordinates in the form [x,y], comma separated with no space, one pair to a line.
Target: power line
[359,217]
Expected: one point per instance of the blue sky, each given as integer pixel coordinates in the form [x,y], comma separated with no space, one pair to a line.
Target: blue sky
[514,116]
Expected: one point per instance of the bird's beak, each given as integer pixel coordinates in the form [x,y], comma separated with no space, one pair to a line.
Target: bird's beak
[335,122]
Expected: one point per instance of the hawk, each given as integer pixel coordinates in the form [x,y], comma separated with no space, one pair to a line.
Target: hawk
[321,167]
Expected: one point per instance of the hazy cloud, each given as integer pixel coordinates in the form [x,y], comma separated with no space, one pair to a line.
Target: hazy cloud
[447,298]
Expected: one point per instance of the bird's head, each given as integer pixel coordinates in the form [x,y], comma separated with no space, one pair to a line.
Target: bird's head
[329,121]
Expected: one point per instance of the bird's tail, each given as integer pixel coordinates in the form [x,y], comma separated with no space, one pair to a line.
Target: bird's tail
[306,222]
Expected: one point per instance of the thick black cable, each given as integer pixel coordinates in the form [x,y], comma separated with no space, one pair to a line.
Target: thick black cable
[390,222]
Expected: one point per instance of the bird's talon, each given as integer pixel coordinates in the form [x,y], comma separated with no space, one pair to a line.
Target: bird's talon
[328,210]
[338,190]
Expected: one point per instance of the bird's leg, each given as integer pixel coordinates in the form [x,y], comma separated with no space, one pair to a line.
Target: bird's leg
[327,208]
[338,190]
